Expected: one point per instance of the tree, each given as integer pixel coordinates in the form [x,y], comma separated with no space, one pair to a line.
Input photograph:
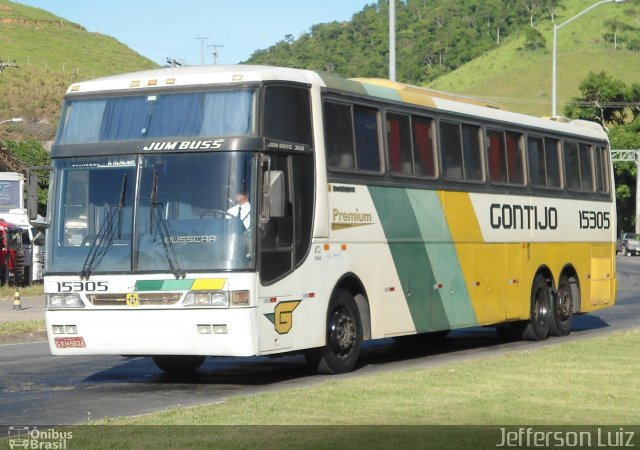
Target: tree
[31,153]
[617,107]
[534,40]
[531,7]
[602,99]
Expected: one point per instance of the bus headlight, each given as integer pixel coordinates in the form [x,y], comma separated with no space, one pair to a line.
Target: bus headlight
[217,299]
[213,299]
[64,301]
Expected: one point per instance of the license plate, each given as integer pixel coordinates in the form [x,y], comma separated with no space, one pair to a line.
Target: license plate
[70,342]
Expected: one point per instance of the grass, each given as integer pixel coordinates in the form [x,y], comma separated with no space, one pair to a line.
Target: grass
[21,327]
[586,382]
[521,80]
[8,292]
[587,386]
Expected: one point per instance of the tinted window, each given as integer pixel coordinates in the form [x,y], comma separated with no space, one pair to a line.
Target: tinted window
[586,167]
[338,136]
[424,156]
[367,140]
[461,151]
[602,170]
[287,114]
[451,150]
[505,153]
[578,161]
[537,164]
[552,161]
[351,137]
[572,165]
[215,113]
[399,144]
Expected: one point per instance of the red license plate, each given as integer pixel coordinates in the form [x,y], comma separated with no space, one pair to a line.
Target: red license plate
[69,342]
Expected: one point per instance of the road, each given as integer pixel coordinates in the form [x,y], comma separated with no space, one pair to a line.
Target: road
[39,389]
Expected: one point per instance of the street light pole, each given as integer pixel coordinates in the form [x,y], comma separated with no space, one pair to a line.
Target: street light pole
[392,40]
[555,50]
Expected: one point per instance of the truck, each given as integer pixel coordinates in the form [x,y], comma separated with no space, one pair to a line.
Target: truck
[12,211]
[12,254]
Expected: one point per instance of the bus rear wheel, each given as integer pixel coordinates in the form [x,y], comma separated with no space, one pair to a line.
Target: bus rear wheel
[539,324]
[178,365]
[343,336]
[562,308]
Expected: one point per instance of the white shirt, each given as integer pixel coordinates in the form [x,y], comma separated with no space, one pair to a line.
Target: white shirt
[245,213]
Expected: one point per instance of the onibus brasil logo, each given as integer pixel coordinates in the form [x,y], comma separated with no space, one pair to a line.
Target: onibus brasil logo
[32,438]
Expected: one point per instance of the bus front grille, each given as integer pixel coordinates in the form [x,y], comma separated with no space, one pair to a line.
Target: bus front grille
[156,298]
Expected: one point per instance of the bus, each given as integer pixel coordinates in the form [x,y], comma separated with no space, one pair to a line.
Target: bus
[254,210]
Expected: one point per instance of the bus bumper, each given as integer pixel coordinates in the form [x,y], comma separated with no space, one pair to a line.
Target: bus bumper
[207,332]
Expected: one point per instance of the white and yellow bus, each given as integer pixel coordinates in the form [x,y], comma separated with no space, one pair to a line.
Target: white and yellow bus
[375,209]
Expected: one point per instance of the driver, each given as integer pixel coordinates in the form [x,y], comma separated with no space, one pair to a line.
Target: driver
[242,209]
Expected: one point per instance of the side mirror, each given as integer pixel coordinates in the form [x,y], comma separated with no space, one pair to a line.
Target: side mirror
[32,191]
[273,194]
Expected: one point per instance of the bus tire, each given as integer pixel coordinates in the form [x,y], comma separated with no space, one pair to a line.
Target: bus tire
[562,308]
[178,365]
[343,336]
[539,324]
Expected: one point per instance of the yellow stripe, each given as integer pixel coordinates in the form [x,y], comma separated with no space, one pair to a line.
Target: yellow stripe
[208,284]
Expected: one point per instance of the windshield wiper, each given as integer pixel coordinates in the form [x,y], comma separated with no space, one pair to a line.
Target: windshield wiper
[105,234]
[156,210]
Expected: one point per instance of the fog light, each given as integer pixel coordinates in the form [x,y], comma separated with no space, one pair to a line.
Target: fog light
[220,329]
[57,329]
[204,329]
[70,329]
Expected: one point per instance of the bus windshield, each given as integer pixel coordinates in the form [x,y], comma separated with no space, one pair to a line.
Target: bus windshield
[160,212]
[228,112]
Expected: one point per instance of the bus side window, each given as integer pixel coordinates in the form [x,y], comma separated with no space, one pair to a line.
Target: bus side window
[552,162]
[287,114]
[367,139]
[338,136]
[586,168]
[423,154]
[572,165]
[537,165]
[602,175]
[451,150]
[399,144]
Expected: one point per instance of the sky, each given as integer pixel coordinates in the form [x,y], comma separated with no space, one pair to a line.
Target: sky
[161,29]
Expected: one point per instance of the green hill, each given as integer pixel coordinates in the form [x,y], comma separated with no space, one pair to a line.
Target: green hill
[521,80]
[49,54]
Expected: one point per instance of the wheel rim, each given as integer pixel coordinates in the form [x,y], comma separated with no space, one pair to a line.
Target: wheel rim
[541,308]
[565,303]
[342,331]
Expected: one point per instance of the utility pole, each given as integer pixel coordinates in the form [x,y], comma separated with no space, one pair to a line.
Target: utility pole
[202,39]
[214,53]
[392,40]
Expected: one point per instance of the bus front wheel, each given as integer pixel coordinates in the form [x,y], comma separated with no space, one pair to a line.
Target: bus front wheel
[178,365]
[343,336]
[539,324]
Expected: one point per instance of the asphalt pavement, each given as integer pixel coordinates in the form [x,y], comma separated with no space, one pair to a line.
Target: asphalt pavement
[32,308]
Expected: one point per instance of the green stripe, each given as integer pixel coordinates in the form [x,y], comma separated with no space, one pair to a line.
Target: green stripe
[164,285]
[455,299]
[423,255]
[177,285]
